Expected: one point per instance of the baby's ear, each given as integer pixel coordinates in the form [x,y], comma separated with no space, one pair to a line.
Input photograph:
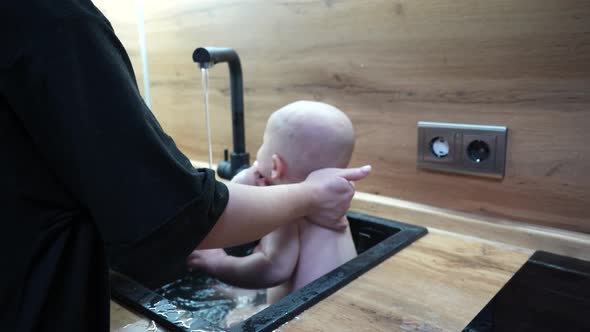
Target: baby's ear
[278,168]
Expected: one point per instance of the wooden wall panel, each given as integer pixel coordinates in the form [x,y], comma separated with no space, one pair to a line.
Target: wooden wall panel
[524,64]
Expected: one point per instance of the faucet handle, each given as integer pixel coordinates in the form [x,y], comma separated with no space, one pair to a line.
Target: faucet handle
[237,162]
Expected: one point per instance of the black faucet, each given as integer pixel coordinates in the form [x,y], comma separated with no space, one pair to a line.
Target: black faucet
[207,57]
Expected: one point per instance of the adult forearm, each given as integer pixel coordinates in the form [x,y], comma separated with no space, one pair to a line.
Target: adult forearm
[253,212]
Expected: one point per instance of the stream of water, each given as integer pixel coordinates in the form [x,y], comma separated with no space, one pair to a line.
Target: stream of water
[205,80]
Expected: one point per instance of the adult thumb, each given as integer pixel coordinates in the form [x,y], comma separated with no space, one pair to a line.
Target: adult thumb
[355,174]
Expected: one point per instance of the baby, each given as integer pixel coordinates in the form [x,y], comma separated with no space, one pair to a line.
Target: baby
[299,138]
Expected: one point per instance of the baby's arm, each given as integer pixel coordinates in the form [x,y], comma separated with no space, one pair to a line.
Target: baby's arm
[272,262]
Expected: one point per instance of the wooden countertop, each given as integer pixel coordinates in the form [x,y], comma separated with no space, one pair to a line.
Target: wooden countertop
[439,283]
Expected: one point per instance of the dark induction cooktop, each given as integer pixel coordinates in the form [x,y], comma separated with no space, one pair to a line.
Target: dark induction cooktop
[549,293]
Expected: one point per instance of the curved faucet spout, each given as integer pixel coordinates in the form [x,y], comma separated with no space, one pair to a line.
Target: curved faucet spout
[207,57]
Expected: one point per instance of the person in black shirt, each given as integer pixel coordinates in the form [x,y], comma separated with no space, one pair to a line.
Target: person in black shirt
[89,180]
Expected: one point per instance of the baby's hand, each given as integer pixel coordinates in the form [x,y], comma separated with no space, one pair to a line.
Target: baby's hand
[205,260]
[249,176]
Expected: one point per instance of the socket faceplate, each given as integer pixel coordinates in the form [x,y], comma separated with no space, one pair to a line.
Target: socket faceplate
[472,149]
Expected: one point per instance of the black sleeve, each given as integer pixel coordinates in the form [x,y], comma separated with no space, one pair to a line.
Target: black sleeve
[75,92]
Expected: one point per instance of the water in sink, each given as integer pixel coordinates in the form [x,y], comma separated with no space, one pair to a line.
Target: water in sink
[200,297]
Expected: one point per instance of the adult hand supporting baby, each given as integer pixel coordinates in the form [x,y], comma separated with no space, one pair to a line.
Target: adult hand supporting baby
[333,194]
[253,211]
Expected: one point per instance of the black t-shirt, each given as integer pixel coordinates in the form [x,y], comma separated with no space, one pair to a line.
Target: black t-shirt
[88,179]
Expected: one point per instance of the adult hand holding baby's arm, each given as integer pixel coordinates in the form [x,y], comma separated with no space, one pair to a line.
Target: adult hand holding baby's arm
[334,189]
[252,211]
[333,194]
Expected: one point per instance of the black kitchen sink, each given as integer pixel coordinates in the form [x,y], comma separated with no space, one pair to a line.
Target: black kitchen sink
[193,302]
[548,293]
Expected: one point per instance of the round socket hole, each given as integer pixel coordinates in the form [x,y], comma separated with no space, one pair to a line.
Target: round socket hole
[478,151]
[439,147]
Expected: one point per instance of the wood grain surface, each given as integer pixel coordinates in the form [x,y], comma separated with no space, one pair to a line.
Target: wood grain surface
[533,237]
[524,64]
[438,284]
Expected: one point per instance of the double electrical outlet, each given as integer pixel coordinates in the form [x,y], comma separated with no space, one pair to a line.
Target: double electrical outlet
[462,148]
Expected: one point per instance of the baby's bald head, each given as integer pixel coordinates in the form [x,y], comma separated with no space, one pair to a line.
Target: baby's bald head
[307,136]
